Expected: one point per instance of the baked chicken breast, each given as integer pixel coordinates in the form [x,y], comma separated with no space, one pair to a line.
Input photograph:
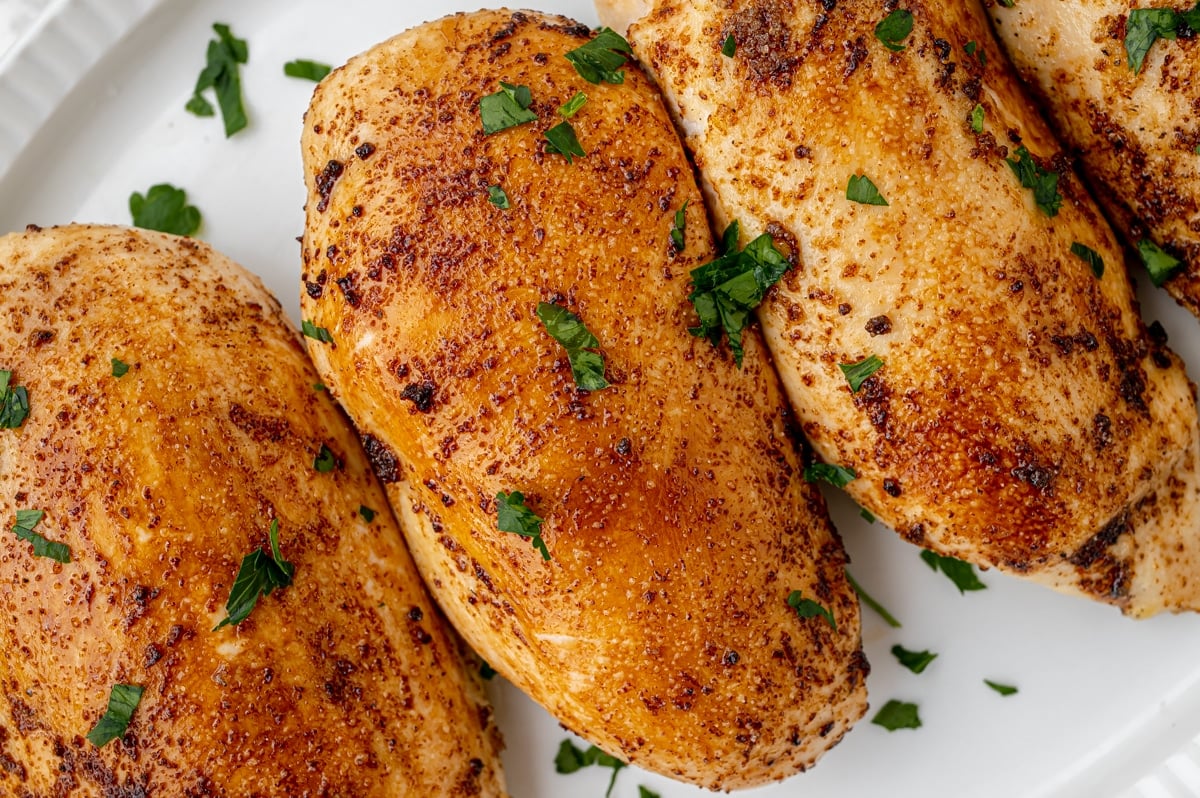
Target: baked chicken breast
[662,525]
[959,329]
[1131,112]
[172,425]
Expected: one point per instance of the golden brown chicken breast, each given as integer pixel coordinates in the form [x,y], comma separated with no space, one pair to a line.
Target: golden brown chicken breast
[1126,98]
[959,330]
[617,524]
[173,429]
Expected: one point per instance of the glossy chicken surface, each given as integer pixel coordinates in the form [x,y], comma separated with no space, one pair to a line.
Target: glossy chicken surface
[676,523]
[1022,411]
[1136,131]
[345,682]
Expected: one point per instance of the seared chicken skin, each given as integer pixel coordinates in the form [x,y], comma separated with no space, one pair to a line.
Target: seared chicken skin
[676,525]
[1019,408]
[346,682]
[1136,130]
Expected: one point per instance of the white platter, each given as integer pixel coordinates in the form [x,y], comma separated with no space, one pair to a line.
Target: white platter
[91,109]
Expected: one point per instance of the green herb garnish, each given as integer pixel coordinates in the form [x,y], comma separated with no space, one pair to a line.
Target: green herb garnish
[123,699]
[835,475]
[23,529]
[1043,182]
[572,106]
[807,608]
[857,373]
[1002,689]
[860,189]
[894,28]
[513,516]
[119,368]
[486,671]
[587,367]
[221,75]
[367,513]
[307,70]
[570,759]
[1090,257]
[1161,265]
[679,228]
[324,461]
[602,58]
[865,598]
[164,208]
[977,119]
[14,402]
[316,333]
[646,792]
[563,141]
[725,291]
[866,515]
[971,48]
[497,197]
[915,661]
[729,47]
[897,715]
[1147,25]
[962,574]
[506,108]
[259,575]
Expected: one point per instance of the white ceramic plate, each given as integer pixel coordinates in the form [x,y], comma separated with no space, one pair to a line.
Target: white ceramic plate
[91,109]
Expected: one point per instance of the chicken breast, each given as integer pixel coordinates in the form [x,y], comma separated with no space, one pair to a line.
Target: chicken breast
[1136,131]
[1016,409]
[173,423]
[675,524]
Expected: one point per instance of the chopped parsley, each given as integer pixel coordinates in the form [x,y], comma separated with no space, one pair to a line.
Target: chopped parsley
[513,516]
[1007,3]
[860,189]
[14,402]
[486,671]
[307,70]
[1002,689]
[1090,257]
[1147,25]
[119,368]
[897,715]
[316,333]
[587,367]
[259,575]
[1161,265]
[807,608]
[865,598]
[972,48]
[857,373]
[563,141]
[915,661]
[571,759]
[729,47]
[164,208]
[497,197]
[835,475]
[679,228]
[1043,181]
[646,792]
[725,291]
[977,119]
[962,574]
[572,106]
[220,74]
[123,699]
[601,59]
[319,387]
[324,462]
[367,513]
[894,28]
[866,515]
[27,520]
[506,108]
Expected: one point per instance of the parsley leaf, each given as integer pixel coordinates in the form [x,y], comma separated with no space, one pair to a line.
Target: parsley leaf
[587,367]
[866,515]
[645,792]
[221,75]
[962,574]
[316,333]
[894,28]
[572,106]
[1007,3]
[123,699]
[1043,182]
[1144,27]
[973,47]
[119,368]
[513,516]
[679,228]
[725,291]
[563,141]
[367,513]
[497,197]
[601,58]
[259,575]
[1002,689]
[860,189]
[835,475]
[324,461]
[1161,265]
[915,661]
[164,208]
[897,715]
[977,119]
[14,402]
[570,759]
[1090,257]
[807,608]
[307,70]
[729,47]
[506,108]
[857,373]
[865,598]
[23,529]
[486,671]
